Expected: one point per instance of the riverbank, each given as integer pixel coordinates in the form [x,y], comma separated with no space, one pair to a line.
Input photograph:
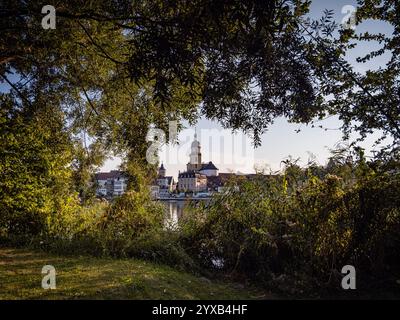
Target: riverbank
[85,277]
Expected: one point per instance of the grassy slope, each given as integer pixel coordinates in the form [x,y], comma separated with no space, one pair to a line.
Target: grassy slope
[83,277]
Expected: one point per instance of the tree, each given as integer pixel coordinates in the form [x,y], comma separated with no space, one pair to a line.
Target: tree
[370,101]
[118,69]
[35,153]
[246,63]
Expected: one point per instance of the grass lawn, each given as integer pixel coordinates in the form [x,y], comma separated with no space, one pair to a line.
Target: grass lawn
[84,277]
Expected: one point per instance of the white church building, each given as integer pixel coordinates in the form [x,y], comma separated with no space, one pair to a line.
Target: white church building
[195,178]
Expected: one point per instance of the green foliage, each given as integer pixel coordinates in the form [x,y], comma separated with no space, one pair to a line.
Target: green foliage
[161,247]
[131,216]
[120,68]
[86,160]
[34,175]
[131,226]
[370,100]
[304,233]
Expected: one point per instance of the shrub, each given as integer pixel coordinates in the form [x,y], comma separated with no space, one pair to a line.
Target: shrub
[128,218]
[305,234]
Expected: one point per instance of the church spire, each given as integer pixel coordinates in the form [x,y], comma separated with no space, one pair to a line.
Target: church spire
[195,154]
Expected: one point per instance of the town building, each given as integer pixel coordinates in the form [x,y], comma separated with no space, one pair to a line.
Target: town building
[198,178]
[165,183]
[195,178]
[192,181]
[111,184]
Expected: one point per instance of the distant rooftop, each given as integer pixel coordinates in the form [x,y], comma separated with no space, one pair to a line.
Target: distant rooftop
[113,174]
[209,166]
[189,174]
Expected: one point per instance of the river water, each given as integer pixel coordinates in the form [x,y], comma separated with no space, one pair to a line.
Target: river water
[175,209]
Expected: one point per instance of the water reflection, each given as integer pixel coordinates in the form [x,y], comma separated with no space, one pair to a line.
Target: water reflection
[175,209]
[173,212]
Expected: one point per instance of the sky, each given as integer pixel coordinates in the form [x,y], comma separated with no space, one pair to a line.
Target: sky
[235,152]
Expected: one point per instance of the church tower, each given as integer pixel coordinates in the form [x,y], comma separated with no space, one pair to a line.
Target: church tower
[195,155]
[161,171]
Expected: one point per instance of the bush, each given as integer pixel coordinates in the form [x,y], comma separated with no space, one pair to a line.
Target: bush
[161,247]
[300,235]
[128,218]
[131,226]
